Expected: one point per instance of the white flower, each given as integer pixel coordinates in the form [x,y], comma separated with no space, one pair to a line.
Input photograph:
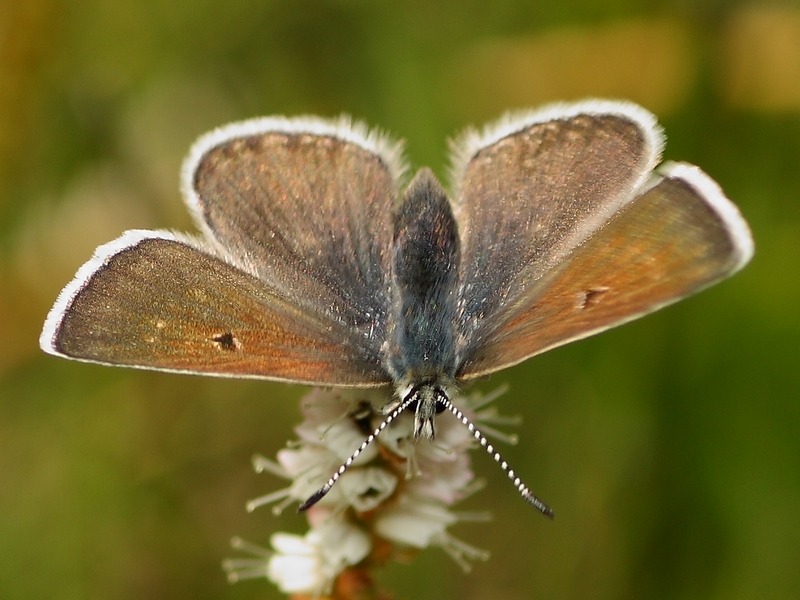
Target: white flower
[306,564]
[417,523]
[396,491]
[297,566]
[310,564]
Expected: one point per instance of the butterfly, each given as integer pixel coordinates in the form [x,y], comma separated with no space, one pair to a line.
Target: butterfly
[316,264]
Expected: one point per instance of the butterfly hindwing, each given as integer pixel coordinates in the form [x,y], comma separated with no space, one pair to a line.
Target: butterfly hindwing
[531,189]
[306,205]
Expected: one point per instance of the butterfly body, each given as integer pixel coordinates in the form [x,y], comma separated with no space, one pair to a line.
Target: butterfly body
[421,354]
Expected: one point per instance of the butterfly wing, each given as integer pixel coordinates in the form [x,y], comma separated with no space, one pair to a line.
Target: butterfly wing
[674,239]
[530,189]
[290,284]
[155,301]
[306,205]
[563,178]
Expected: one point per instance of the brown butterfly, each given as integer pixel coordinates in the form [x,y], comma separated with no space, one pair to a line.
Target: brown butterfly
[314,264]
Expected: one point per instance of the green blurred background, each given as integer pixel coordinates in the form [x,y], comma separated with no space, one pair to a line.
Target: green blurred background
[669,448]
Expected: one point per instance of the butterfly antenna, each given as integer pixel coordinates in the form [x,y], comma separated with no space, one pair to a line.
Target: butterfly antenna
[523,489]
[321,492]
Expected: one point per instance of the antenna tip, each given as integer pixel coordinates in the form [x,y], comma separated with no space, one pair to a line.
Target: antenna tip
[539,505]
[313,498]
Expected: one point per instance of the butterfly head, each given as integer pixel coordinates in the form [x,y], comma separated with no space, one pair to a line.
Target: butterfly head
[427,397]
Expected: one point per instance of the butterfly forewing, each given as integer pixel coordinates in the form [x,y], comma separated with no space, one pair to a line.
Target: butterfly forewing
[162,303]
[531,190]
[674,239]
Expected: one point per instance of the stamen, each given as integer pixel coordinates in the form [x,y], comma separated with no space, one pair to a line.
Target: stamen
[461,552]
[262,464]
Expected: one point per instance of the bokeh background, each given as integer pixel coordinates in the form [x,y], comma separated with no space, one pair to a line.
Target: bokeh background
[670,448]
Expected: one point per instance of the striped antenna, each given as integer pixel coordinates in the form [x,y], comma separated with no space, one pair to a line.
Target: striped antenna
[320,493]
[445,402]
[523,489]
